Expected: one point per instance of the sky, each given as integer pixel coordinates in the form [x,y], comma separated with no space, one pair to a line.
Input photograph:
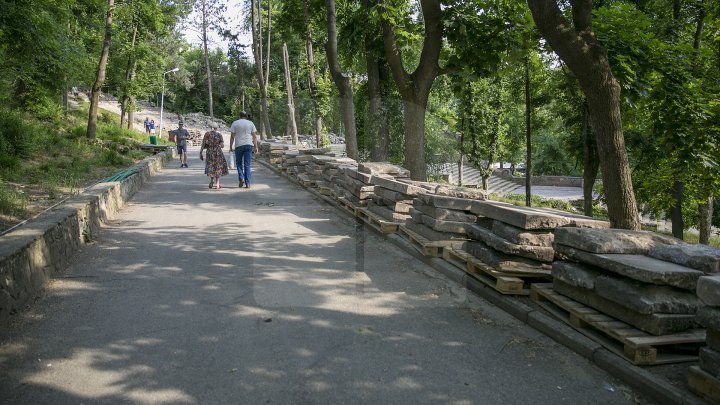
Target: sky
[233,14]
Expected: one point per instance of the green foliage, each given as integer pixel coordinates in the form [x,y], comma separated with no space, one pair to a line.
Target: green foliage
[11,202]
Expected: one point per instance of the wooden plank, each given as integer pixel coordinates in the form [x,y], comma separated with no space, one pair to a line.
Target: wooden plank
[636,346]
[704,384]
[502,283]
[420,243]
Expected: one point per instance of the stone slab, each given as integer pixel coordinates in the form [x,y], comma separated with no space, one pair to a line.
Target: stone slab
[708,290]
[452,203]
[700,257]
[394,185]
[637,267]
[540,253]
[530,218]
[315,151]
[520,236]
[655,324]
[430,234]
[713,339]
[387,214]
[443,214]
[709,317]
[710,361]
[505,263]
[375,168]
[393,195]
[460,192]
[416,215]
[646,298]
[613,241]
[576,274]
[444,226]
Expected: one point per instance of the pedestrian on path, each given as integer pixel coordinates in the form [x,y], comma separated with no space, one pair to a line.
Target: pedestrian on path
[243,141]
[215,164]
[152,127]
[147,125]
[181,137]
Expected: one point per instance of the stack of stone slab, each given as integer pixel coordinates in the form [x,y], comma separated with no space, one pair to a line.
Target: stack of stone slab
[273,151]
[305,165]
[644,279]
[352,188]
[289,162]
[394,191]
[704,379]
[518,240]
[444,213]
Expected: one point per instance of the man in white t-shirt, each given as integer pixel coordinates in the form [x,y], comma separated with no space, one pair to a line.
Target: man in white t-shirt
[243,139]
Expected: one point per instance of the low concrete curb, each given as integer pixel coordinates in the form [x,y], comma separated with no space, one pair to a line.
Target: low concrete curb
[45,245]
[648,384]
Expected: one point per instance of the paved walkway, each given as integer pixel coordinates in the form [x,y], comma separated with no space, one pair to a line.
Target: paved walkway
[269,295]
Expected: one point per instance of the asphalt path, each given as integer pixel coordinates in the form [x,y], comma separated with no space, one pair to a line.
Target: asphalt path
[270,295]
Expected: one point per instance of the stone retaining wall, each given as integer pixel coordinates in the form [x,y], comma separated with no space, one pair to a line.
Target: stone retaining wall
[44,246]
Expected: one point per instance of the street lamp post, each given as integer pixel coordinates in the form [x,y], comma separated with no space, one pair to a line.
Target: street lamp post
[162,98]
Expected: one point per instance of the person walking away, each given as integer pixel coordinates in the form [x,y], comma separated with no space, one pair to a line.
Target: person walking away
[147,125]
[243,140]
[215,164]
[181,137]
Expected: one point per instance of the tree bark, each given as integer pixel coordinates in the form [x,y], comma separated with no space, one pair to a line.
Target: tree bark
[257,51]
[528,136]
[588,60]
[291,123]
[129,73]
[342,81]
[311,75]
[676,216]
[100,76]
[376,125]
[590,163]
[415,87]
[705,226]
[267,54]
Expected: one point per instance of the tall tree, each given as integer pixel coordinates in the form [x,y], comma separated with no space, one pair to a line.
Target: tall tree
[210,13]
[291,123]
[588,60]
[311,75]
[100,76]
[376,126]
[257,52]
[415,87]
[342,81]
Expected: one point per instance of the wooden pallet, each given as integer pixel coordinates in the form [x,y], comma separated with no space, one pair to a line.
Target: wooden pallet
[425,246]
[376,222]
[500,282]
[636,346]
[704,384]
[347,206]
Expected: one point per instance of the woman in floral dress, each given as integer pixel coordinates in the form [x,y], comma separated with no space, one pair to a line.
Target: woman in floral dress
[215,164]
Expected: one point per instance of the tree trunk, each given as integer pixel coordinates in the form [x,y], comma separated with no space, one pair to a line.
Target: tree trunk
[588,60]
[460,160]
[676,216]
[377,135]
[100,76]
[528,136]
[267,54]
[311,75]
[129,72]
[207,58]
[257,47]
[415,87]
[705,226]
[342,81]
[291,123]
[590,163]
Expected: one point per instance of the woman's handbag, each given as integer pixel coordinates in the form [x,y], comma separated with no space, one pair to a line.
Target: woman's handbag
[231,162]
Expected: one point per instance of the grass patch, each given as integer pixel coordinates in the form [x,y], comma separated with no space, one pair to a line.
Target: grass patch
[47,157]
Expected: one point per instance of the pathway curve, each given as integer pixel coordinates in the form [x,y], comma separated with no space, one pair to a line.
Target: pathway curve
[269,295]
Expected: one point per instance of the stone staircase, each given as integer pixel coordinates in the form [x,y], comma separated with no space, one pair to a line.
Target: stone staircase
[471,176]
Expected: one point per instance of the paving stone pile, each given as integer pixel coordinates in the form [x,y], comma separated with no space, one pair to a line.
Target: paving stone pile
[444,213]
[392,198]
[519,240]
[642,278]
[705,378]
[274,150]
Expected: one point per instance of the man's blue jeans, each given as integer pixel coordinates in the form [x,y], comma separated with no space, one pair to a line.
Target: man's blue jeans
[243,158]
